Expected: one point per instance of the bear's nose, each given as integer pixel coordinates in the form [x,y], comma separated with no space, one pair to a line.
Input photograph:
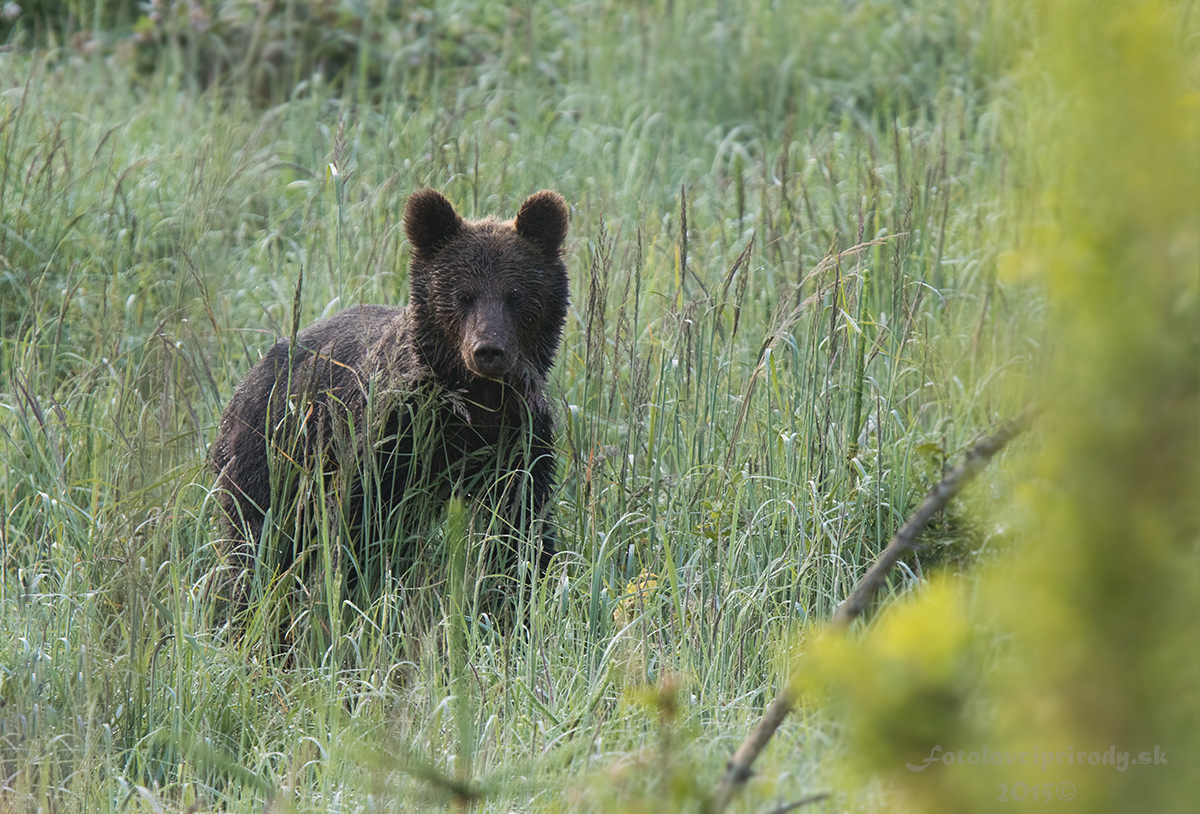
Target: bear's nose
[489,358]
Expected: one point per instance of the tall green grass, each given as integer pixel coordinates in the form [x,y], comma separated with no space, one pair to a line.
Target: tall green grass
[786,229]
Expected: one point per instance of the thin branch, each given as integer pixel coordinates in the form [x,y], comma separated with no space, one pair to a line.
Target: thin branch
[803,801]
[939,496]
[738,770]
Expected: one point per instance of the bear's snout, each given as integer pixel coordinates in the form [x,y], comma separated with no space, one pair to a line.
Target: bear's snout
[489,359]
[488,340]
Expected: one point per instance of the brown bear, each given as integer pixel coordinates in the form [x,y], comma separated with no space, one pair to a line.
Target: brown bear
[377,415]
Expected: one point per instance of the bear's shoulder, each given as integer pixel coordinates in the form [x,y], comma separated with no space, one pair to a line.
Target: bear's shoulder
[351,332]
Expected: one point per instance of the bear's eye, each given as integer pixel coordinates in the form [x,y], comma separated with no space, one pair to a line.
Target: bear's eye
[465,299]
[513,299]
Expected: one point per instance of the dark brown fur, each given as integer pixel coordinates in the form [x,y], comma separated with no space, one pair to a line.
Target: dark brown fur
[395,406]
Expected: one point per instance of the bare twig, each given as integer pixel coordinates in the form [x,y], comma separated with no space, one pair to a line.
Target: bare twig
[905,539]
[803,801]
[738,770]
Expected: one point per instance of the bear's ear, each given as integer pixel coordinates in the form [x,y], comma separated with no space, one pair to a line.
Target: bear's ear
[543,221]
[430,221]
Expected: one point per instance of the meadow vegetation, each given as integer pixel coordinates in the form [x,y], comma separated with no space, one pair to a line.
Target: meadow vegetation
[800,252]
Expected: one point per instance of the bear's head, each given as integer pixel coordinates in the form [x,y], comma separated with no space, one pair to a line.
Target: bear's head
[489,297]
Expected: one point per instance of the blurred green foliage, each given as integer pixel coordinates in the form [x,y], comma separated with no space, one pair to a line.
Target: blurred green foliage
[52,23]
[1076,662]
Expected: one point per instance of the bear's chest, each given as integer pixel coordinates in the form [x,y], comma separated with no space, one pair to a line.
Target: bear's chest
[440,439]
[481,435]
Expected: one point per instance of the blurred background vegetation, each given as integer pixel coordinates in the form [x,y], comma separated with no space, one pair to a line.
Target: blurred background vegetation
[817,249]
